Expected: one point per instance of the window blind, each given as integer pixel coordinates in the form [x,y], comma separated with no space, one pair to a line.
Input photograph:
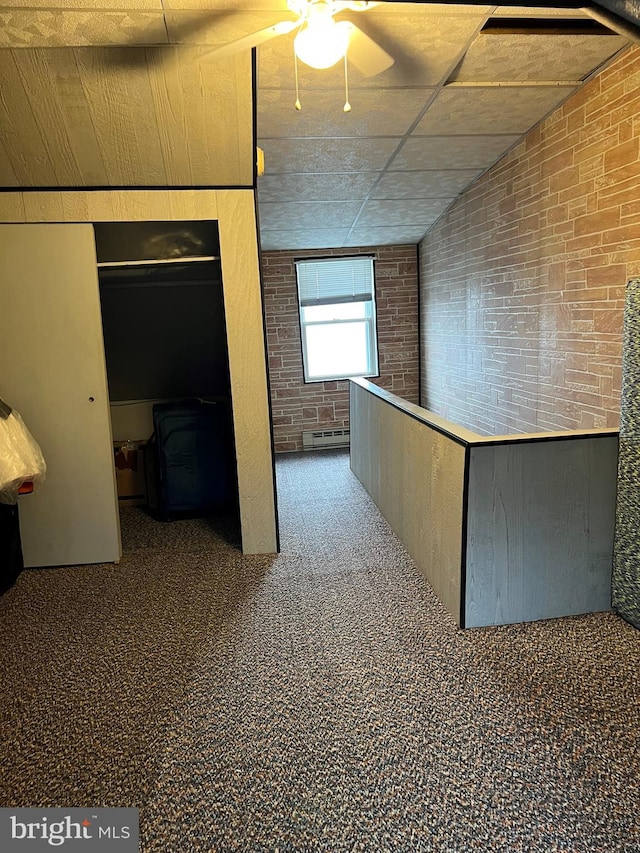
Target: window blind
[331,280]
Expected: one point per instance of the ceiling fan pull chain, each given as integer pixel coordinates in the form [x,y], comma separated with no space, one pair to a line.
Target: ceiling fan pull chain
[347,105]
[297,104]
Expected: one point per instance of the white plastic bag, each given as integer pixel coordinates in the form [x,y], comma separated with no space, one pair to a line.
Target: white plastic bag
[21,460]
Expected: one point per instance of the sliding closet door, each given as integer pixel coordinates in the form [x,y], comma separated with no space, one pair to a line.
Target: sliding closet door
[52,371]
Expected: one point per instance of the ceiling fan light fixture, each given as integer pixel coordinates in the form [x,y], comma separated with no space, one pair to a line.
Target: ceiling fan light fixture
[323,41]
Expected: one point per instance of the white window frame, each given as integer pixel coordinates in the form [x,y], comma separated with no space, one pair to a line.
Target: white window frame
[332,281]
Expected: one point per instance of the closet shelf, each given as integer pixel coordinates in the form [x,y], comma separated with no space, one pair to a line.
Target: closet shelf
[199,259]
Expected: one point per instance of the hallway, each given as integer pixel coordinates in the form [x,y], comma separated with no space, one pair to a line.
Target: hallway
[316,700]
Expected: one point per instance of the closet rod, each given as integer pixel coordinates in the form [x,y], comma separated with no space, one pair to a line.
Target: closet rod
[104,264]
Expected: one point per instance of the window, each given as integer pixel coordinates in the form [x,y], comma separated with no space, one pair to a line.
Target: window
[337,318]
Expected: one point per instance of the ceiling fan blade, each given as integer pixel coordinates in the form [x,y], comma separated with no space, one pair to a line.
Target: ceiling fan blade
[252,40]
[366,54]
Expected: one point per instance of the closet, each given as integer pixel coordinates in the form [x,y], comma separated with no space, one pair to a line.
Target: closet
[165,345]
[53,363]
[150,296]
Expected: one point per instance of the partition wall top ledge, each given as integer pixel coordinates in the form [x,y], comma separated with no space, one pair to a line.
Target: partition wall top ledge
[467,437]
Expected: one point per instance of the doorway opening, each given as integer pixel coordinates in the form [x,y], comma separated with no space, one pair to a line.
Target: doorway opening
[168,376]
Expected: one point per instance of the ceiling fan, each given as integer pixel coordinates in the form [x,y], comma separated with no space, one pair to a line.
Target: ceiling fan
[321,41]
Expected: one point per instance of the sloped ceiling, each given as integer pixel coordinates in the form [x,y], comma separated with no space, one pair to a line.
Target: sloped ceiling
[456,99]
[126,93]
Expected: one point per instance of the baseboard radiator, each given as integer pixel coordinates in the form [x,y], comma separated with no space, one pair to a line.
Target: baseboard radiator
[316,439]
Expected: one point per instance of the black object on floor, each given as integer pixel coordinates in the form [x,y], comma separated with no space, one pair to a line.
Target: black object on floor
[11,560]
[190,460]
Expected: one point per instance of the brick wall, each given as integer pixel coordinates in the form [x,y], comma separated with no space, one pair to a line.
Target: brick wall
[297,406]
[523,280]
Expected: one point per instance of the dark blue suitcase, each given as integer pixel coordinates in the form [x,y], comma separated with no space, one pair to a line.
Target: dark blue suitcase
[190,460]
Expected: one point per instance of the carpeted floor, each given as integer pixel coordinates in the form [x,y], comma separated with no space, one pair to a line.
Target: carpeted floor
[317,700]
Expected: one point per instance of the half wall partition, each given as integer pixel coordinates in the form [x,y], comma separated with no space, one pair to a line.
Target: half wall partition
[506,529]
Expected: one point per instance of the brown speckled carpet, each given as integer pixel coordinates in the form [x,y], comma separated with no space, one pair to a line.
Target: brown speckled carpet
[318,700]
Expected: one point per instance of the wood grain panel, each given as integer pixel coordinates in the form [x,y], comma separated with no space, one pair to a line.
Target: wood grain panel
[221,103]
[8,176]
[121,104]
[248,370]
[228,118]
[59,103]
[12,207]
[108,205]
[79,206]
[138,205]
[541,523]
[204,116]
[19,130]
[42,88]
[125,117]
[194,204]
[169,90]
[44,207]
[88,206]
[415,475]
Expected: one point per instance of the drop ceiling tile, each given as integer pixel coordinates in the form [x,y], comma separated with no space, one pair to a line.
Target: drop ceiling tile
[411,211]
[423,42]
[513,57]
[216,27]
[53,28]
[451,152]
[340,186]
[327,155]
[385,236]
[373,112]
[279,215]
[314,238]
[480,111]
[431,183]
[425,46]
